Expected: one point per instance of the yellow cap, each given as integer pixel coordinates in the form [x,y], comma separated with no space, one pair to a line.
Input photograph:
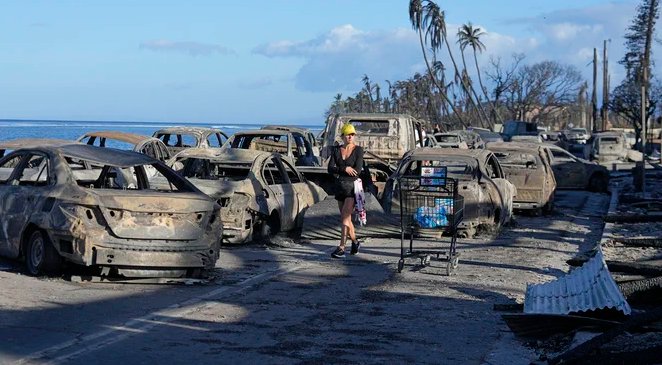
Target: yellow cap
[347,129]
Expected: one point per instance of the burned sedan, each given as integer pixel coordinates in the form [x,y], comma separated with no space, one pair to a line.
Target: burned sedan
[149,146]
[96,207]
[528,167]
[260,193]
[576,173]
[180,138]
[488,196]
[293,145]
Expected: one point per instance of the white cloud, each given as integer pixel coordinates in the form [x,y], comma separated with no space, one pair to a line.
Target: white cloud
[186,47]
[337,60]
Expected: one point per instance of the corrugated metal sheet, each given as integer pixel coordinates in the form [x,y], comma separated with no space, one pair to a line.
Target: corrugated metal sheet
[589,287]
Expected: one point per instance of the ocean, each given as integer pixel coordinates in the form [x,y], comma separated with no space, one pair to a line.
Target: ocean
[12,129]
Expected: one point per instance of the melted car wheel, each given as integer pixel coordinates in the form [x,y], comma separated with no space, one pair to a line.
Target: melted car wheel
[40,255]
[267,229]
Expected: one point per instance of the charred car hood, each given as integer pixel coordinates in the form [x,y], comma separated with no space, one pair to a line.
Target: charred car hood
[140,215]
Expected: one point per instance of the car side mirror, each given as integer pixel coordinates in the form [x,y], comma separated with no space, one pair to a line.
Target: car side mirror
[266,193]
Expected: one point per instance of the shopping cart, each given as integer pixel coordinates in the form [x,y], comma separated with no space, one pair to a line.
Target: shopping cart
[430,208]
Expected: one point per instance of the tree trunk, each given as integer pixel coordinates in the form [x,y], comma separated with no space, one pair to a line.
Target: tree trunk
[434,80]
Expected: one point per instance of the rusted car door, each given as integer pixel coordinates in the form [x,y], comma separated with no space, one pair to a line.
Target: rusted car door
[19,195]
[569,172]
[280,192]
[303,192]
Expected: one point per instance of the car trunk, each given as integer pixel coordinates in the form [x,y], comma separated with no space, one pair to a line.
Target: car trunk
[529,183]
[140,215]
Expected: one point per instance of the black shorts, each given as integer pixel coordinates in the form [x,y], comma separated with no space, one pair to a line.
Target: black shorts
[344,189]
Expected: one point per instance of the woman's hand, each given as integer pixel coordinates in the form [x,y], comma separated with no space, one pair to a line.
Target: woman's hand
[350,171]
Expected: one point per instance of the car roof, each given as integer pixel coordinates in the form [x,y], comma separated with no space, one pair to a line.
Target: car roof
[431,152]
[120,136]
[286,128]
[33,142]
[100,155]
[229,154]
[257,132]
[530,145]
[188,130]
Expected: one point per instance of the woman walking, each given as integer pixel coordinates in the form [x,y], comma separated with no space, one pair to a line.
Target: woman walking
[345,165]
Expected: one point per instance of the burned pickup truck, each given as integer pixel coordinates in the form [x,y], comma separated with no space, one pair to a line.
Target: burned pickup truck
[385,138]
[260,193]
[97,207]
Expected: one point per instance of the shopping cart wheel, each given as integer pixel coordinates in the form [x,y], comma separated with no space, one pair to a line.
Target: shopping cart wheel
[452,264]
[425,260]
[401,265]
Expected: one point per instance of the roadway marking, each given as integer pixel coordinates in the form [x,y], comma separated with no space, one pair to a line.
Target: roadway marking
[115,333]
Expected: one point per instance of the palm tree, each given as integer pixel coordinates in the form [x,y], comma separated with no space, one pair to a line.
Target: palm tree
[470,36]
[368,90]
[418,14]
[435,23]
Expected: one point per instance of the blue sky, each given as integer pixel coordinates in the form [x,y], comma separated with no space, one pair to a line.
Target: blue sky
[260,61]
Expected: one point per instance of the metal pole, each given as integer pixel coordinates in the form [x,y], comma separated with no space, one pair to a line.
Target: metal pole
[643,139]
[594,96]
[605,88]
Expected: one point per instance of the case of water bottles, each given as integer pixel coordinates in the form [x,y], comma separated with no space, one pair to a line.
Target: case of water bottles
[430,211]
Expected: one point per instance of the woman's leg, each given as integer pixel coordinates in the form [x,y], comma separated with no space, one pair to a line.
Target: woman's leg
[346,217]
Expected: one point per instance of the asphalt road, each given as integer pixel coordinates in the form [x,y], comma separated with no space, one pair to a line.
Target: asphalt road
[292,303]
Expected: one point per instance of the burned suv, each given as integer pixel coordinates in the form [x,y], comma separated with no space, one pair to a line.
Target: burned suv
[97,207]
[528,167]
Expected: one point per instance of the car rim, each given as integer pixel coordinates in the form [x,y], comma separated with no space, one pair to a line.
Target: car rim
[37,252]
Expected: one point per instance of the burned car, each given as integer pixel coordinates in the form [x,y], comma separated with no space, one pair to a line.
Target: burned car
[577,135]
[609,146]
[488,196]
[305,132]
[149,146]
[473,139]
[291,144]
[96,207]
[528,167]
[576,173]
[180,138]
[450,140]
[260,193]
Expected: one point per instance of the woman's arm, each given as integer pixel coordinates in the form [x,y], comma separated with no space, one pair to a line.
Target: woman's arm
[333,168]
[358,166]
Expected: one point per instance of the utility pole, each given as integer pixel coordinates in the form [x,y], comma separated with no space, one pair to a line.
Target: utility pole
[644,120]
[605,88]
[594,96]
